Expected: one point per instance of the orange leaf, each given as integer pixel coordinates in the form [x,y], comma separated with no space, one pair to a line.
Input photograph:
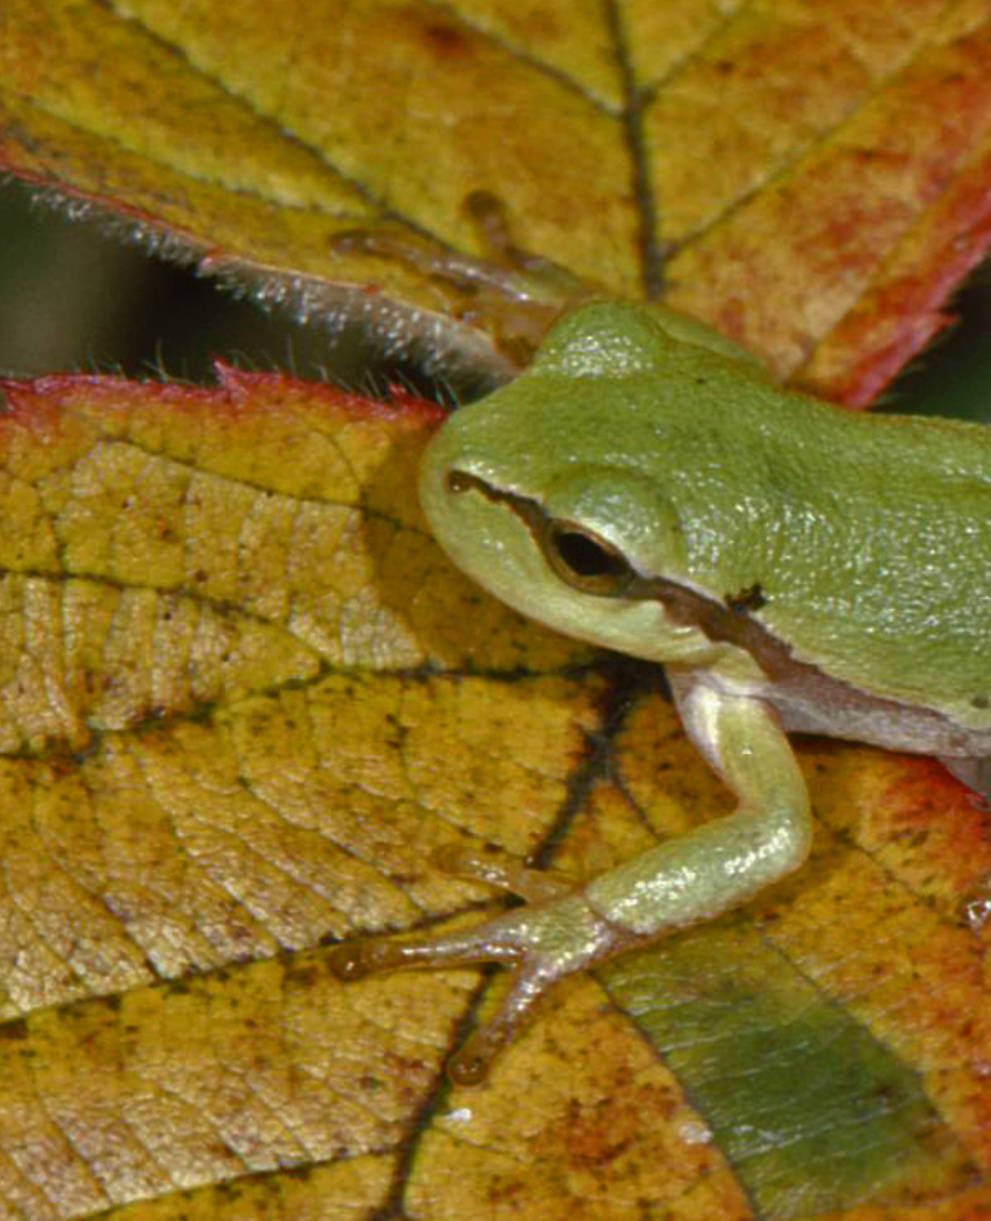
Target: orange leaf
[812,181]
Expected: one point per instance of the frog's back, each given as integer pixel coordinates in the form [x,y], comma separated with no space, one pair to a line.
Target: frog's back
[870,539]
[867,537]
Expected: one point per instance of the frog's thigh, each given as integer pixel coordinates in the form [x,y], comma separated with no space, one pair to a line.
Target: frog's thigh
[728,861]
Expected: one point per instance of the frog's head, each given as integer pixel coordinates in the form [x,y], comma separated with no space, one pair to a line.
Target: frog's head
[551,492]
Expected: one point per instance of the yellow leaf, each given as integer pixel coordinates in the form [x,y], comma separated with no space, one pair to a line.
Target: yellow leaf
[245,700]
[242,727]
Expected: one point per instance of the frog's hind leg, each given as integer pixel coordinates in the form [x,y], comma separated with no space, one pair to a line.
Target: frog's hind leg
[544,941]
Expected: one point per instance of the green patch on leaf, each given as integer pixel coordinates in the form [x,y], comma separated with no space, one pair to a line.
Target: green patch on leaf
[813,1112]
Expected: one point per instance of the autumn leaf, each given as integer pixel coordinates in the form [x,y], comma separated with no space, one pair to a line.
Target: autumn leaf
[245,699]
[241,712]
[812,181]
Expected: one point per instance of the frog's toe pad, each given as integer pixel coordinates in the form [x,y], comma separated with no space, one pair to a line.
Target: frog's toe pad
[542,942]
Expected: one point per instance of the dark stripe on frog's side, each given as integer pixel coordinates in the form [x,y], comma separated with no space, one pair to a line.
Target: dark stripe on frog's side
[811,701]
[807,699]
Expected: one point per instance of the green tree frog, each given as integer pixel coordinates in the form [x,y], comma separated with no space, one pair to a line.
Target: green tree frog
[647,486]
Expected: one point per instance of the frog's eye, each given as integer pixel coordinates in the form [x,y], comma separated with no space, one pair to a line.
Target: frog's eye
[585,560]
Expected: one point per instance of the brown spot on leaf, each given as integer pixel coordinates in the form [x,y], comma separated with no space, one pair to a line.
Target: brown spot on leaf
[444,40]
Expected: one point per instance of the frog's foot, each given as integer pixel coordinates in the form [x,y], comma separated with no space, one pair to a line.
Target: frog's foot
[543,941]
[493,866]
[519,293]
[716,866]
[506,268]
[467,274]
[527,274]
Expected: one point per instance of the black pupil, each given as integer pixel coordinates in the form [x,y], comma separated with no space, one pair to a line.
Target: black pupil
[585,557]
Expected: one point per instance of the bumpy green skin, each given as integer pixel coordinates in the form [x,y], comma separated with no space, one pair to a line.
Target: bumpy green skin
[855,551]
[870,536]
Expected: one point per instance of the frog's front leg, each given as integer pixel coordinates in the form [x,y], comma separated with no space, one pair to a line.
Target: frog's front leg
[680,882]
